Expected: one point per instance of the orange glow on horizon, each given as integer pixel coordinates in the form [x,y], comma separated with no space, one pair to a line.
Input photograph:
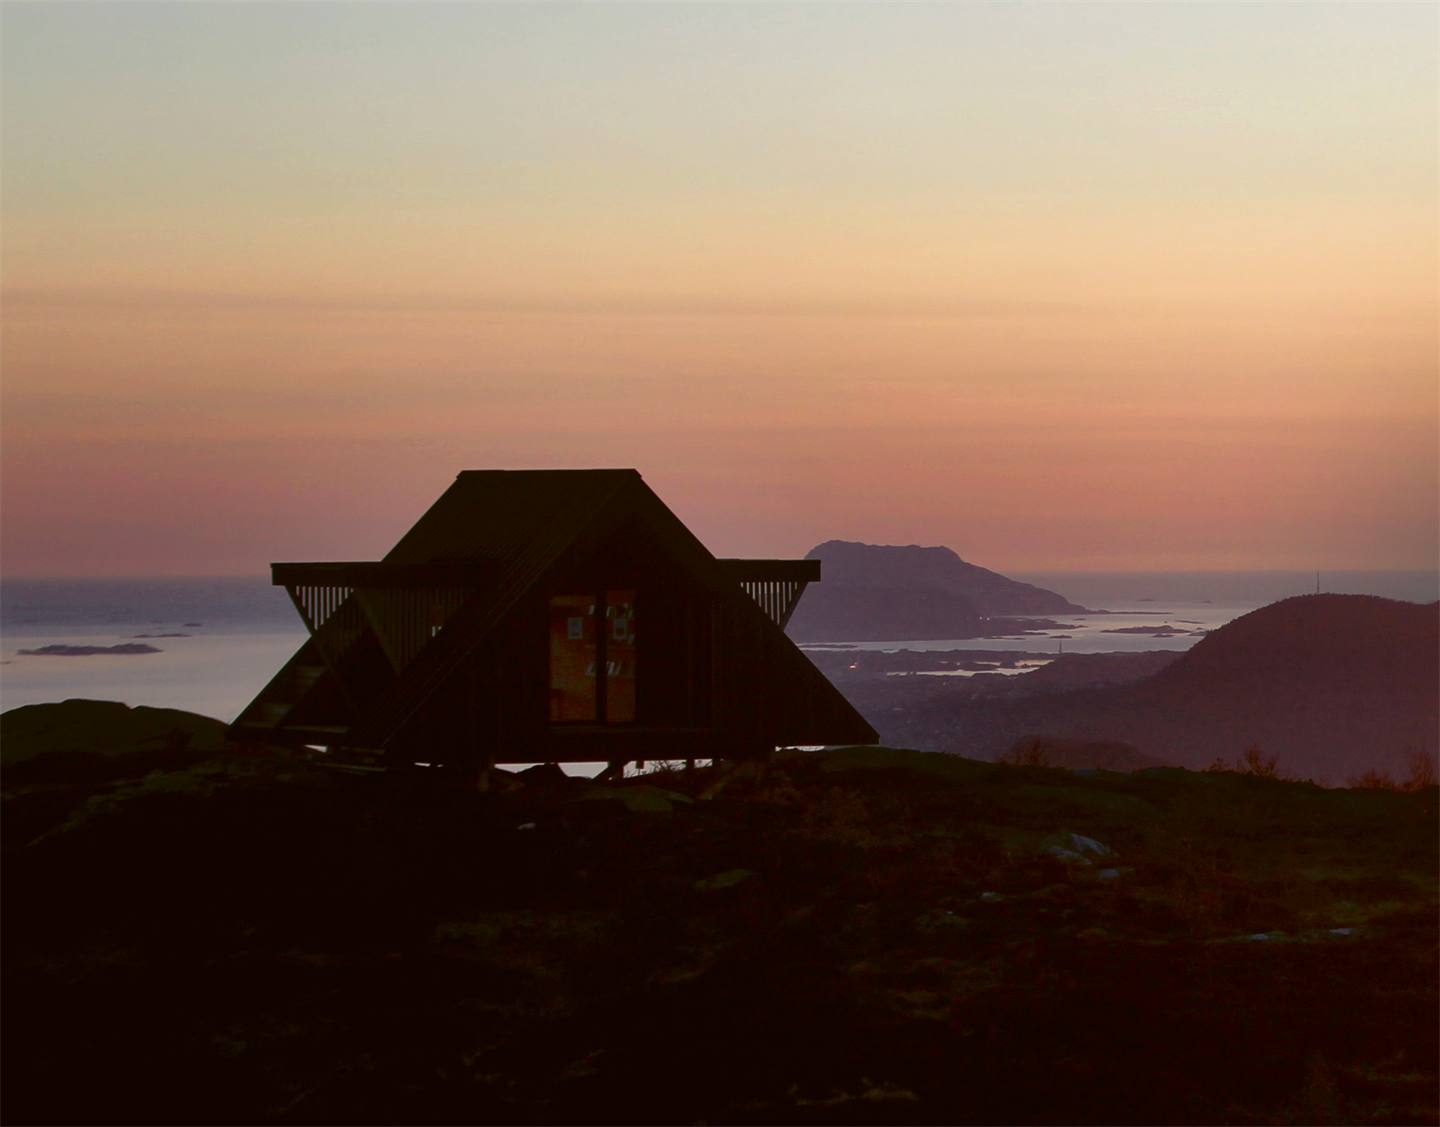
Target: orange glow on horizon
[1062,291]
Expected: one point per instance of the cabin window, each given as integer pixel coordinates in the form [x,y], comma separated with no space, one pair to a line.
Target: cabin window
[620,657]
[592,666]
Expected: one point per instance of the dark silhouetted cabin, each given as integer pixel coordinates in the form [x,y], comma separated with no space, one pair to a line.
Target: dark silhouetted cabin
[548,616]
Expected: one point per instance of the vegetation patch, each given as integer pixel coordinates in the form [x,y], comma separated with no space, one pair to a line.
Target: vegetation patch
[857,935]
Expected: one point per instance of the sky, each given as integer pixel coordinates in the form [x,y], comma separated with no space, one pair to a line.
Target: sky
[1061,286]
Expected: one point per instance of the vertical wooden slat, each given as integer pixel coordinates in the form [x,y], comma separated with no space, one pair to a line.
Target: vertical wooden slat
[776,597]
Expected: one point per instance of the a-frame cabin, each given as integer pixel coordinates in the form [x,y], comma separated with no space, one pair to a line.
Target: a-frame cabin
[549,616]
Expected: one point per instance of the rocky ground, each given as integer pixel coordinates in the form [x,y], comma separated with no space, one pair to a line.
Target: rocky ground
[863,936]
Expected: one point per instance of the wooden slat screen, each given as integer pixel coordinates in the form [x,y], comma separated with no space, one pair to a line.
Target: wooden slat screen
[332,616]
[317,604]
[777,598]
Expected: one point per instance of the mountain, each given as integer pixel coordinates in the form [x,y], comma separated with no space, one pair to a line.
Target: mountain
[875,592]
[829,613]
[1332,685]
[849,564]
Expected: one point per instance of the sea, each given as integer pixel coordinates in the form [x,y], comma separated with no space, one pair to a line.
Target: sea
[217,641]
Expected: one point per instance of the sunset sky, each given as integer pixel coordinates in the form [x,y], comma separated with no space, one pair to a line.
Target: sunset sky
[1062,286]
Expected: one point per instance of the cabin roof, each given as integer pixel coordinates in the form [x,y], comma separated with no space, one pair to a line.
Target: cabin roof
[521,522]
[523,518]
[497,533]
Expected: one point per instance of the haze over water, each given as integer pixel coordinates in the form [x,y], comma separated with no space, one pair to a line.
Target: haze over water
[247,628]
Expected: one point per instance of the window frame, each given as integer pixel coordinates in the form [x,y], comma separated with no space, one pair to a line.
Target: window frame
[602,656]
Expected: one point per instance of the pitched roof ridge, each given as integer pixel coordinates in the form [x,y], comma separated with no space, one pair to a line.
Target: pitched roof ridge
[436,661]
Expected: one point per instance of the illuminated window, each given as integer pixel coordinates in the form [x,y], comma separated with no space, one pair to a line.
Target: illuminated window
[572,657]
[620,656]
[578,651]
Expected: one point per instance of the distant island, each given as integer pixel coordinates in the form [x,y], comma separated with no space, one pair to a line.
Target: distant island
[1166,631]
[90,651]
[881,592]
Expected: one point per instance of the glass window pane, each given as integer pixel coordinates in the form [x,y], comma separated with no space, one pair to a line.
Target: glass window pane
[572,657]
[620,656]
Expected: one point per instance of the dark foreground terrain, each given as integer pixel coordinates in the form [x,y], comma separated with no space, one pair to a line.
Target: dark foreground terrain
[866,936]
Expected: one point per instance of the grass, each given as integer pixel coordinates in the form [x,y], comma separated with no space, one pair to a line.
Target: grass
[1420,775]
[865,935]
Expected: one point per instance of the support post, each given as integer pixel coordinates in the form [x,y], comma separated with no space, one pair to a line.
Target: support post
[482,777]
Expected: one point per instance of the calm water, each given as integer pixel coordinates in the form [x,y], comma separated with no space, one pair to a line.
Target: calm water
[1189,602]
[241,630]
[1137,590]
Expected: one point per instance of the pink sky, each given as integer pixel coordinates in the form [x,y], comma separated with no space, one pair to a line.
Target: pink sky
[1062,287]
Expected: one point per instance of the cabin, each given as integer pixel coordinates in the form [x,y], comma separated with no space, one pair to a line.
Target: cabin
[548,616]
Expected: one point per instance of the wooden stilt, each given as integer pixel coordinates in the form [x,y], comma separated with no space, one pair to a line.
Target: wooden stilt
[482,776]
[724,772]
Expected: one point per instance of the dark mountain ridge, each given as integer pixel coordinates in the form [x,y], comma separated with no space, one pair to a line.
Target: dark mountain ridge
[879,592]
[911,567]
[1331,684]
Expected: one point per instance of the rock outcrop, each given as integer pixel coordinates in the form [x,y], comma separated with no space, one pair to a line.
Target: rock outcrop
[101,727]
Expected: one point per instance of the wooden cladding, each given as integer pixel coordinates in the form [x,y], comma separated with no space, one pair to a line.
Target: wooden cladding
[403,619]
[333,618]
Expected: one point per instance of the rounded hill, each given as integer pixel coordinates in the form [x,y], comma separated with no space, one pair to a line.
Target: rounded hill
[1333,685]
[1343,641]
